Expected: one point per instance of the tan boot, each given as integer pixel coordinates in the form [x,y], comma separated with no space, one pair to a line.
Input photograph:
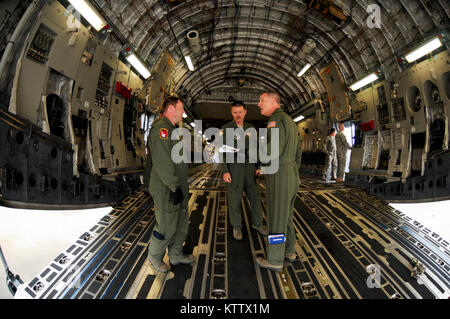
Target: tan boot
[262,262]
[237,233]
[291,257]
[159,265]
[184,259]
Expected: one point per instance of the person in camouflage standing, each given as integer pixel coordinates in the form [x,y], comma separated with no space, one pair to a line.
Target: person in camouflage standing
[282,186]
[341,153]
[169,189]
[330,151]
[241,176]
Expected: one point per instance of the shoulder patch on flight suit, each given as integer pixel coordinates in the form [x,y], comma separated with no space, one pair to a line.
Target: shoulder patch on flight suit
[271,124]
[163,133]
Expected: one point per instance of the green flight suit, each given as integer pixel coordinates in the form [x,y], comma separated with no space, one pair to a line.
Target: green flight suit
[282,186]
[172,221]
[242,178]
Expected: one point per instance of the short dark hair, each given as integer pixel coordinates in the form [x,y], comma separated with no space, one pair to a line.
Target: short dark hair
[332,130]
[239,103]
[171,100]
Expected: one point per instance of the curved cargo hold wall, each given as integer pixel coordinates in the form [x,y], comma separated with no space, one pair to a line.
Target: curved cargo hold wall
[64,141]
[401,137]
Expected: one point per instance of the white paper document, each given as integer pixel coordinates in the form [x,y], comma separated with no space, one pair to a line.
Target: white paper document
[228,149]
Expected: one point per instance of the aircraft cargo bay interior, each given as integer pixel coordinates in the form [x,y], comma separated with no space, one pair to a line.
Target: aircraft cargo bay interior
[246,149]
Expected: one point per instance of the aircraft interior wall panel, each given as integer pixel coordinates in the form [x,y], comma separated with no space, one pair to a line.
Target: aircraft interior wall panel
[408,124]
[371,149]
[356,160]
[37,168]
[321,126]
[86,79]
[411,89]
[123,74]
[93,140]
[370,98]
[69,43]
[46,168]
[382,108]
[435,112]
[161,74]
[100,108]
[30,89]
[321,118]
[435,98]
[29,95]
[372,108]
[121,155]
[14,164]
[33,75]
[337,96]
[105,147]
[136,84]
[445,94]
[306,138]
[400,153]
[117,134]
[310,138]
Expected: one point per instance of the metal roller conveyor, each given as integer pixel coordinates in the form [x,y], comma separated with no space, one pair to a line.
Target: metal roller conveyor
[350,245]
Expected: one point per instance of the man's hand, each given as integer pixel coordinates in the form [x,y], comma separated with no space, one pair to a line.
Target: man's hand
[177,196]
[227,177]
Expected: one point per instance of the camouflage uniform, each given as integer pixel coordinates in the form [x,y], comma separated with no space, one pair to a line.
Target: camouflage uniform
[330,161]
[341,153]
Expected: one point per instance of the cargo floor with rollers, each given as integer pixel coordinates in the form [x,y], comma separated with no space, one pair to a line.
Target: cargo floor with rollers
[350,245]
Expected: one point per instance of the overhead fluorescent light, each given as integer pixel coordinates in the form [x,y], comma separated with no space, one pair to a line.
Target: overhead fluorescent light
[364,81]
[298,119]
[303,71]
[85,9]
[138,65]
[428,47]
[189,62]
[192,124]
[184,115]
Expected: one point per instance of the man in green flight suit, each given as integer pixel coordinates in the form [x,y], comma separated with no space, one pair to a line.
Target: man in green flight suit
[240,176]
[169,189]
[282,186]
